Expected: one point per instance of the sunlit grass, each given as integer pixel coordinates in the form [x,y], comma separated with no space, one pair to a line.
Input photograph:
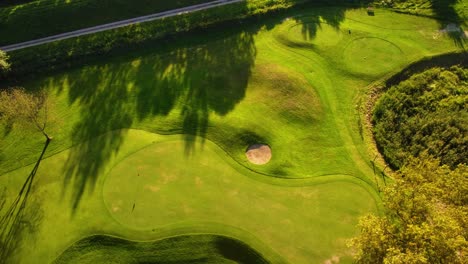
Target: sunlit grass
[293,82]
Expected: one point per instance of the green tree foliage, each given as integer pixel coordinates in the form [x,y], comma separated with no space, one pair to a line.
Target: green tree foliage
[426,219]
[4,65]
[428,112]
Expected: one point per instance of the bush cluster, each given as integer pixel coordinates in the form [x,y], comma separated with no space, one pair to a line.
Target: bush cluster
[426,113]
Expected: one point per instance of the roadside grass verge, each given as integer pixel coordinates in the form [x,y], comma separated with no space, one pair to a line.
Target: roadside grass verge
[65,52]
[44,18]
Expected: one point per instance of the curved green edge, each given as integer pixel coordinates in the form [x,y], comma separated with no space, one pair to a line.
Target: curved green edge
[367,185]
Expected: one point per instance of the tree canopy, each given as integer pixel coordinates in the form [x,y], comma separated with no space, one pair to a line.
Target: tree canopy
[426,218]
[428,112]
[4,65]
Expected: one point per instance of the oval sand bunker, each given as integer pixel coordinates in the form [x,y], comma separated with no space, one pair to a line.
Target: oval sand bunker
[259,154]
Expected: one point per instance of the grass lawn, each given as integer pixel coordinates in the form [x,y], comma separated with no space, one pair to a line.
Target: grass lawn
[151,144]
[42,18]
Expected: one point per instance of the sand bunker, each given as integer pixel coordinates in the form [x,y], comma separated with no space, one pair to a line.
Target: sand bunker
[258,154]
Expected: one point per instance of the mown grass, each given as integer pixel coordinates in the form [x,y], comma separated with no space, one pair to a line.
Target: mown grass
[287,82]
[151,189]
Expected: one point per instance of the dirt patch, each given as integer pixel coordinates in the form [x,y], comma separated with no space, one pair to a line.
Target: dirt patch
[258,154]
[152,188]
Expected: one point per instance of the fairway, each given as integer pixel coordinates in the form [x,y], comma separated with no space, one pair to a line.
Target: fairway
[151,147]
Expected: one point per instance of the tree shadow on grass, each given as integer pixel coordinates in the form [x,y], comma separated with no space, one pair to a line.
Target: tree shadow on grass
[445,12]
[319,15]
[21,217]
[311,23]
[238,251]
[192,80]
[184,82]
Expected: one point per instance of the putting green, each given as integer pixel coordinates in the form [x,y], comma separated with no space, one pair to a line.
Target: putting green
[378,55]
[161,185]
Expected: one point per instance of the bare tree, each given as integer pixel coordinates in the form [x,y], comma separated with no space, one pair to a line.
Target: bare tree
[25,109]
[28,110]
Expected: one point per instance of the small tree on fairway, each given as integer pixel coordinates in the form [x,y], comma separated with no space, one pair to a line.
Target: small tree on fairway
[25,109]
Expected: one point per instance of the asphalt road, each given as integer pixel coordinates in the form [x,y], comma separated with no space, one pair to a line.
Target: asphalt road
[118,24]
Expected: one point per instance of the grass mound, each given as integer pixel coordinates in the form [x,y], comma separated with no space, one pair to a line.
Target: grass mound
[182,249]
[427,112]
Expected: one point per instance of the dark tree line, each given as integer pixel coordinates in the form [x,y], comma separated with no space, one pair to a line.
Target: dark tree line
[427,112]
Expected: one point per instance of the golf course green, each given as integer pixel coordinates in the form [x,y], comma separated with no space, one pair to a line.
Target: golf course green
[148,149]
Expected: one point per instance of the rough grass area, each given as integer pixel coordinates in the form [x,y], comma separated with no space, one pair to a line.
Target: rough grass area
[448,10]
[161,133]
[182,249]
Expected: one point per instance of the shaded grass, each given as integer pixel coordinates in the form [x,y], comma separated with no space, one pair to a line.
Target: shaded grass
[446,10]
[183,249]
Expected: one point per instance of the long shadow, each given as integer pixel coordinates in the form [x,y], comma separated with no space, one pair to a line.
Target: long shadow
[313,21]
[207,76]
[16,219]
[238,251]
[446,13]
[187,79]
[333,15]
